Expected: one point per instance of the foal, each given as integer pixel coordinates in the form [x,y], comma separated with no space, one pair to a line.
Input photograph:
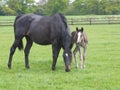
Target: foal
[80,39]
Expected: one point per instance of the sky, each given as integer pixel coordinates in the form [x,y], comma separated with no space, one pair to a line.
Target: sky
[36,0]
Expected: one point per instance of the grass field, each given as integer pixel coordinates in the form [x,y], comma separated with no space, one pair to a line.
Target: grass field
[7,18]
[102,67]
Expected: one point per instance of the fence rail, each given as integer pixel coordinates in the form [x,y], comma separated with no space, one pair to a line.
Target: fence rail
[77,21]
[6,23]
[91,21]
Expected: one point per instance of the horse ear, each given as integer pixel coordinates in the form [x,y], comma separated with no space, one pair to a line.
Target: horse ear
[82,29]
[76,28]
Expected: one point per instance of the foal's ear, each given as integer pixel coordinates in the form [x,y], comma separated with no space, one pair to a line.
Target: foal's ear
[76,28]
[82,29]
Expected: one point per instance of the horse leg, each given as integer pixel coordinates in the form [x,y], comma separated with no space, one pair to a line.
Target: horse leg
[27,50]
[74,53]
[55,50]
[84,57]
[12,50]
[81,58]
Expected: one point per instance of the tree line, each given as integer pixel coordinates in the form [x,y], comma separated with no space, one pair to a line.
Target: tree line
[48,7]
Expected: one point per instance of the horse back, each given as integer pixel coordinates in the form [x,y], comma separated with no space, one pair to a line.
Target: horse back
[44,29]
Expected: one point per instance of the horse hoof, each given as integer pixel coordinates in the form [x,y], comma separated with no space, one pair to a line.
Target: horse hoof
[67,70]
[84,66]
[53,68]
[28,67]
[81,68]
[77,66]
[9,66]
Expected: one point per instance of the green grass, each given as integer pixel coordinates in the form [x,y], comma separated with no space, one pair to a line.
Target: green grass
[102,67]
[7,18]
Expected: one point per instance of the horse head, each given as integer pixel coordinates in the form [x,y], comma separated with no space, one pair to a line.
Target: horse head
[79,34]
[67,54]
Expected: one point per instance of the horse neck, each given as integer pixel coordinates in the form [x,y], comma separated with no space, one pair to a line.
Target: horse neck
[74,36]
[85,37]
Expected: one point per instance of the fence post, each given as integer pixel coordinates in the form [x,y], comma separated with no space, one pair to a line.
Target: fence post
[71,21]
[108,20]
[90,21]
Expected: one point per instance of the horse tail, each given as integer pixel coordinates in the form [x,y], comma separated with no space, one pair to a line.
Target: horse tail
[17,17]
[20,46]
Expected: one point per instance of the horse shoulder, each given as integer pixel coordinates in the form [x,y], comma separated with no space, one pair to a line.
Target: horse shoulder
[85,37]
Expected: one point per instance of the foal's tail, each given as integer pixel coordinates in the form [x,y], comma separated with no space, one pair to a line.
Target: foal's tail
[20,46]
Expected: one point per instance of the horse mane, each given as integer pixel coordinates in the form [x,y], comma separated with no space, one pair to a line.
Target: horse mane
[60,18]
[63,19]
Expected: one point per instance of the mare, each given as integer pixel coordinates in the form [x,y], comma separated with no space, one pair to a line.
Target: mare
[80,39]
[43,30]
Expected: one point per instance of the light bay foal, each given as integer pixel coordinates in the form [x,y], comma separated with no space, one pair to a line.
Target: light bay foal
[80,39]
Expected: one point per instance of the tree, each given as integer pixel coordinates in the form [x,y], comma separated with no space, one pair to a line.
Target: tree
[96,6]
[79,7]
[1,11]
[113,7]
[21,6]
[55,6]
[8,11]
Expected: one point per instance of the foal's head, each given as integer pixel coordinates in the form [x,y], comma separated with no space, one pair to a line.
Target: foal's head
[79,34]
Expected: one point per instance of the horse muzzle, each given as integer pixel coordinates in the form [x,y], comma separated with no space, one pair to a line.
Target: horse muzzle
[67,68]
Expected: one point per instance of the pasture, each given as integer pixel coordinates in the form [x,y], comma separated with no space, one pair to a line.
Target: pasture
[102,66]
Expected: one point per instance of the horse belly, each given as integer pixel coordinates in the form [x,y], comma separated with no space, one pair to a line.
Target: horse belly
[42,42]
[40,33]
[40,39]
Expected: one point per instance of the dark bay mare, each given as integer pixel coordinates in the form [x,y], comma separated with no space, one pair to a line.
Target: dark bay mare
[79,37]
[43,30]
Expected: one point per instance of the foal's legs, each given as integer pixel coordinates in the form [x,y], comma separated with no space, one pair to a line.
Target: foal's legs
[84,57]
[27,50]
[55,51]
[12,50]
[81,58]
[74,53]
